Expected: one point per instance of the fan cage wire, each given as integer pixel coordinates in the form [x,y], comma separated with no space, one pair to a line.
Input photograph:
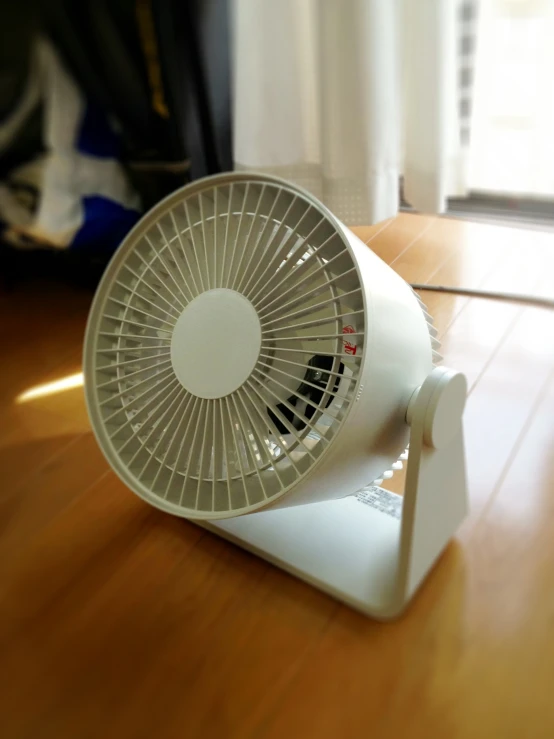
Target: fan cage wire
[162,285]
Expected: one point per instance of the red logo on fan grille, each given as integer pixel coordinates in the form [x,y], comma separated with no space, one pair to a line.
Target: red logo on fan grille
[349,348]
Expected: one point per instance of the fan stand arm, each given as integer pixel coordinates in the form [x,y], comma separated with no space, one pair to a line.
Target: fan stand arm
[435,494]
[359,552]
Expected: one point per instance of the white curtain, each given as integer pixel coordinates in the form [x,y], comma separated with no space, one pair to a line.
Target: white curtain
[345,96]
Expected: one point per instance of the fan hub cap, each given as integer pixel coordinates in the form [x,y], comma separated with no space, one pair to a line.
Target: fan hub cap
[216,343]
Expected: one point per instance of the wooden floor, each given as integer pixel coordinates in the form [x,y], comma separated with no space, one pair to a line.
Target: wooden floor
[117,620]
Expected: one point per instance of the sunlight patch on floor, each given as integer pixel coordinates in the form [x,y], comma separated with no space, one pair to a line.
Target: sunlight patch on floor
[49,388]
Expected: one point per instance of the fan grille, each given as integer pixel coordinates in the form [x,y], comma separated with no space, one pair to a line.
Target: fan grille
[199,456]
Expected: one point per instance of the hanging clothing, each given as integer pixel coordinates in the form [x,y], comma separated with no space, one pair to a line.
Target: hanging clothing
[75,193]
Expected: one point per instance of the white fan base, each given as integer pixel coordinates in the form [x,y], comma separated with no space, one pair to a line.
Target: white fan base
[350,548]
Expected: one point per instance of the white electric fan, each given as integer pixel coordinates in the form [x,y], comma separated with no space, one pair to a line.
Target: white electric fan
[246,353]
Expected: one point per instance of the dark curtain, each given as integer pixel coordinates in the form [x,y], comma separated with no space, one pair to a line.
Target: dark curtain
[162,69]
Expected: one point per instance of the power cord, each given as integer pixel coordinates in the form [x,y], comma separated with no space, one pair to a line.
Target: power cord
[490,294]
